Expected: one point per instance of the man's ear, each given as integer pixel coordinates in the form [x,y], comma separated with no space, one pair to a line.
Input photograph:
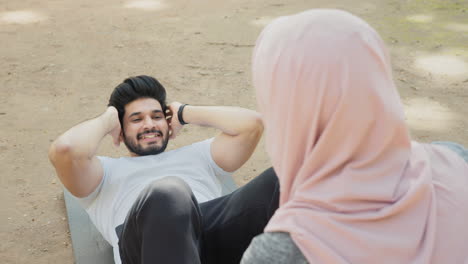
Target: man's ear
[121,137]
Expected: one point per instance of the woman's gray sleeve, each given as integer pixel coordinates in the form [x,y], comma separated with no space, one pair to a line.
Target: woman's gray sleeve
[273,248]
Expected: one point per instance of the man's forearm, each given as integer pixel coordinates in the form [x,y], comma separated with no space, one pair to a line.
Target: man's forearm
[241,130]
[230,120]
[82,140]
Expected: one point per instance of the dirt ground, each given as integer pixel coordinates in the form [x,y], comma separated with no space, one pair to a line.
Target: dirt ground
[60,60]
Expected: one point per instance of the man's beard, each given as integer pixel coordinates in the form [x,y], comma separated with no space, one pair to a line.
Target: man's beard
[135,147]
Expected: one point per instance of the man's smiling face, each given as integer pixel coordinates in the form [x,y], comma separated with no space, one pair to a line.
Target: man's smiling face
[145,128]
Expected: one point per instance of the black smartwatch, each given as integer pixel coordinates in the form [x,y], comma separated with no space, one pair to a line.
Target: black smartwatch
[179,114]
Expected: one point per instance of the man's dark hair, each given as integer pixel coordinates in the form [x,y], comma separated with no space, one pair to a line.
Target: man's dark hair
[134,88]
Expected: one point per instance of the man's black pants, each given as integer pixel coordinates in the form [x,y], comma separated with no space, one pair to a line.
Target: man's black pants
[167,225]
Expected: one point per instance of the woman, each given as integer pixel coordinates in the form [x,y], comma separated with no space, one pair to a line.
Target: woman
[354,187]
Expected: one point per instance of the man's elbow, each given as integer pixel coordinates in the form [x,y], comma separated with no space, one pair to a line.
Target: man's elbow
[58,150]
[258,122]
[256,125]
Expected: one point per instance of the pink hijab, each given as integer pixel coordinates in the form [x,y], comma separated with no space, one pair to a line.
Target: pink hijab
[354,187]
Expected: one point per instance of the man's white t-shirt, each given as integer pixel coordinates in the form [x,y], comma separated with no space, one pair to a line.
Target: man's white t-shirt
[124,179]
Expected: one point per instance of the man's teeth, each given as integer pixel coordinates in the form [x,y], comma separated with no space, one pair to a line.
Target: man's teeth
[149,136]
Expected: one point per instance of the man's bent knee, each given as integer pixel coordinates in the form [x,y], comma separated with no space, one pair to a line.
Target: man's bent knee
[166,188]
[170,195]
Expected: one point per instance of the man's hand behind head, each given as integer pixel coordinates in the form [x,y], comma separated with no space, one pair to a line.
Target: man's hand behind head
[111,118]
[174,124]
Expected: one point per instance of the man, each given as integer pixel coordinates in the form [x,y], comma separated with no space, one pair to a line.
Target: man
[165,207]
